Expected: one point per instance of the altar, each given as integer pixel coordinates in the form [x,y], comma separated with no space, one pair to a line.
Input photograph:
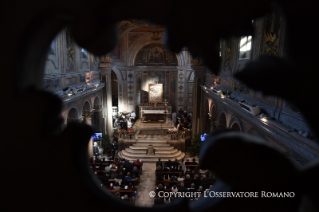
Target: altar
[153,116]
[152,113]
[156,110]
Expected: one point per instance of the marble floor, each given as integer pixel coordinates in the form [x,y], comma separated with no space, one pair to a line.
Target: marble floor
[147,179]
[147,184]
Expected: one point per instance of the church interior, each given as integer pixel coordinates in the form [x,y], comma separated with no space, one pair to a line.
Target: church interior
[119,108]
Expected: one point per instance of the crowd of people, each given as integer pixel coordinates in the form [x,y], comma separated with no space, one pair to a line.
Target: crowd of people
[184,120]
[121,177]
[124,121]
[181,177]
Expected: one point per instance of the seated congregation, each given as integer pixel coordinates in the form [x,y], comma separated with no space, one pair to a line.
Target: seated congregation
[181,177]
[120,177]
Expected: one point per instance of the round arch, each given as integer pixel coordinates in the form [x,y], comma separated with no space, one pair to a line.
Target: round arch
[86,104]
[117,72]
[213,110]
[235,124]
[222,121]
[97,100]
[73,113]
[78,111]
[144,41]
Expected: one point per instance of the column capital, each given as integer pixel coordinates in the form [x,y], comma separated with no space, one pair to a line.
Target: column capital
[87,113]
[104,68]
[97,108]
[75,120]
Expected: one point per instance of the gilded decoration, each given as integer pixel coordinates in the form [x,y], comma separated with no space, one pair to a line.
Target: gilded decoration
[132,38]
[155,55]
[195,62]
[155,35]
[270,47]
[124,25]
[271,26]
[106,59]
[155,93]
[87,113]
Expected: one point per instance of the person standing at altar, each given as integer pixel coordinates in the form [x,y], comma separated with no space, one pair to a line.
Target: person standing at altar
[116,123]
[124,124]
[114,148]
[95,150]
[129,124]
[133,116]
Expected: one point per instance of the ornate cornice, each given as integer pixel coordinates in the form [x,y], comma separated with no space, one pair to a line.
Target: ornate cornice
[155,35]
[268,129]
[68,99]
[126,24]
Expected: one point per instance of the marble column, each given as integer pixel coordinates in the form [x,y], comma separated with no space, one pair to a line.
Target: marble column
[87,119]
[212,119]
[106,97]
[97,118]
[109,117]
[199,76]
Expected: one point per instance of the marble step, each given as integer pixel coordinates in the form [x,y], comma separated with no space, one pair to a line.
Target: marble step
[139,155]
[150,143]
[143,151]
[155,147]
[155,141]
[154,159]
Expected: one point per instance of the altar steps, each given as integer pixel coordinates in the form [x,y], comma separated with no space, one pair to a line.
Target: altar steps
[157,151]
[162,150]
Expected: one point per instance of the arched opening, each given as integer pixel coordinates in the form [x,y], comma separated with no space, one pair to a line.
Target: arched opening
[222,121]
[213,117]
[97,101]
[155,54]
[86,113]
[73,115]
[86,106]
[235,127]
